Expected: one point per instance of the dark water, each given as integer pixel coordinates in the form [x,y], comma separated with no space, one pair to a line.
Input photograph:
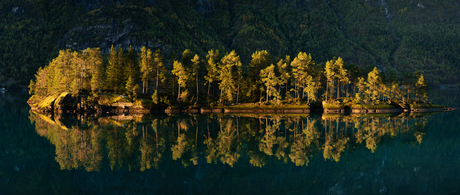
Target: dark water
[229,154]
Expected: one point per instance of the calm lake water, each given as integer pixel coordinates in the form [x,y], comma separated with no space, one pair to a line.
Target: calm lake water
[229,154]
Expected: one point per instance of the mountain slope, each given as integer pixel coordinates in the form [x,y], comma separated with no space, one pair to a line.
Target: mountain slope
[396,36]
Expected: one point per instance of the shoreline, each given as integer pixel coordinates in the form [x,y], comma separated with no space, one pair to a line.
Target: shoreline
[119,104]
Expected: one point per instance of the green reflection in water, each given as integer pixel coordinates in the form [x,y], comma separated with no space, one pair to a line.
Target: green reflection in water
[142,143]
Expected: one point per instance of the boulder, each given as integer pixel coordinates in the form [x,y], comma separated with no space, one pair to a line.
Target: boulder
[65,102]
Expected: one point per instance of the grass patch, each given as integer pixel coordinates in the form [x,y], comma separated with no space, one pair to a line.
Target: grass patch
[250,106]
[146,103]
[370,106]
[109,98]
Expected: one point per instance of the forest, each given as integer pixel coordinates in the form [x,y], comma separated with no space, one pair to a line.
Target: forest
[398,37]
[220,79]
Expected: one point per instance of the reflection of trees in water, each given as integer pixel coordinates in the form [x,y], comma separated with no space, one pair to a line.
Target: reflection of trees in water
[144,143]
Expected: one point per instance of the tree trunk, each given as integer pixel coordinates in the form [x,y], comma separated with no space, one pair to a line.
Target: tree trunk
[178,93]
[197,86]
[209,87]
[238,93]
[338,89]
[268,91]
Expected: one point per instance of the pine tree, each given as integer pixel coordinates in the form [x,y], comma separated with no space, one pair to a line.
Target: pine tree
[259,61]
[374,81]
[303,69]
[421,88]
[113,71]
[230,75]
[130,85]
[284,69]
[132,68]
[146,68]
[93,58]
[270,81]
[212,66]
[196,67]
[160,70]
[182,76]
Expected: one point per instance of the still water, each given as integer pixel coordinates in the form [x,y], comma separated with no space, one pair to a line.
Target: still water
[229,154]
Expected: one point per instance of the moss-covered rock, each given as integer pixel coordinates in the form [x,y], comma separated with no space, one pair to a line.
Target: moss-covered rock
[47,104]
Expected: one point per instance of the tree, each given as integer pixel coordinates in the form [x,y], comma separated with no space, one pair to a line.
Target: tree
[230,75]
[160,70]
[259,61]
[95,63]
[146,68]
[303,70]
[374,81]
[284,69]
[342,74]
[130,85]
[421,88]
[132,67]
[196,67]
[114,71]
[212,64]
[270,81]
[182,76]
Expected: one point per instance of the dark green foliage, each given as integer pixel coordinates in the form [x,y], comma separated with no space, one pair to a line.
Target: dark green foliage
[396,36]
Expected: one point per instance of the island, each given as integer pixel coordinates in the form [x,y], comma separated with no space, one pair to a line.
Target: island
[87,82]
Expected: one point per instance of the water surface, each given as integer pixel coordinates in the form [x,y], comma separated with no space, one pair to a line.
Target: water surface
[229,154]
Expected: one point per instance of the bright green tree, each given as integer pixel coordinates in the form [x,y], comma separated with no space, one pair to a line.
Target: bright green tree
[259,61]
[421,88]
[182,76]
[160,70]
[196,67]
[270,80]
[284,69]
[230,75]
[212,64]
[374,80]
[146,66]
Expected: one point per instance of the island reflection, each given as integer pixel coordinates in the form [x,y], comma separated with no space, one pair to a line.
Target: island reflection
[140,143]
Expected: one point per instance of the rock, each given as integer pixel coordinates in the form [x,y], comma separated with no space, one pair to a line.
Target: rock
[65,102]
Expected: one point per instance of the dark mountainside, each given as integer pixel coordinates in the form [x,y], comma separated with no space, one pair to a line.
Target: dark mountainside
[396,36]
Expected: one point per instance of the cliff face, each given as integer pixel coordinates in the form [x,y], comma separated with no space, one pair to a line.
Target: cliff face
[396,36]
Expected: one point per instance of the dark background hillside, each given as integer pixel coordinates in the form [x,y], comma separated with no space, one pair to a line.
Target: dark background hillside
[396,36]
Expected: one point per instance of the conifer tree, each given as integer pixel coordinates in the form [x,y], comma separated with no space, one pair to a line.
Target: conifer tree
[196,67]
[93,58]
[182,76]
[303,68]
[114,71]
[421,88]
[132,68]
[284,69]
[160,70]
[374,81]
[230,75]
[212,68]
[270,81]
[259,61]
[130,85]
[146,68]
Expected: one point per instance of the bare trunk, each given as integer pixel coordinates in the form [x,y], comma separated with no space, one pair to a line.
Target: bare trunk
[209,87]
[178,93]
[197,86]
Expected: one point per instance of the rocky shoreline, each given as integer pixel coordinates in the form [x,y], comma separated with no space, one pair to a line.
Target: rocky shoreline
[119,104]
